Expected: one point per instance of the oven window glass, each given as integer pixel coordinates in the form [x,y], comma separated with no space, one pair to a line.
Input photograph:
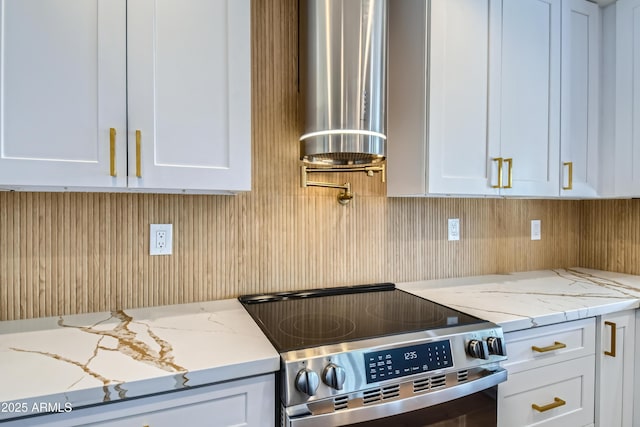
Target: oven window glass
[475,410]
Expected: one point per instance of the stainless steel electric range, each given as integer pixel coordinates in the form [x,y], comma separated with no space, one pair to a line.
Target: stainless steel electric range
[376,355]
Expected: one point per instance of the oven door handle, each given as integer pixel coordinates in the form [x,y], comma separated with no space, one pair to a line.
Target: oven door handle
[395,407]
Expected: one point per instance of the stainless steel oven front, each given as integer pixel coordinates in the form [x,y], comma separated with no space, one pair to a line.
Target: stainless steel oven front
[422,379]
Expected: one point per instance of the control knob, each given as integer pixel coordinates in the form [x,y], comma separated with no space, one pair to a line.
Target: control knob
[496,346]
[307,382]
[334,376]
[478,349]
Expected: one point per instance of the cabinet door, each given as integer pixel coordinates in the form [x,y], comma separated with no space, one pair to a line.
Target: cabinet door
[189,94]
[616,369]
[458,97]
[438,91]
[636,387]
[527,102]
[62,87]
[580,98]
[627,134]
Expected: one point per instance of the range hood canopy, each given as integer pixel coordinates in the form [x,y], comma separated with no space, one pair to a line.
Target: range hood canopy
[343,62]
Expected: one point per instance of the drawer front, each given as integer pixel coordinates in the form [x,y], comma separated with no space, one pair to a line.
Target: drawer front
[572,382]
[555,343]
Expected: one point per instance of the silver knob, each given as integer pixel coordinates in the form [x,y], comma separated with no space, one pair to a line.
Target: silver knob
[496,346]
[478,349]
[307,382]
[334,376]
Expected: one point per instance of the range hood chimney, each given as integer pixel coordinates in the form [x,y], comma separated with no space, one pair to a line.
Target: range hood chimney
[343,61]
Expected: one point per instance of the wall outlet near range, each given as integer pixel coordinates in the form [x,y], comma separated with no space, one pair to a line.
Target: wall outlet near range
[536,229]
[453,230]
[160,239]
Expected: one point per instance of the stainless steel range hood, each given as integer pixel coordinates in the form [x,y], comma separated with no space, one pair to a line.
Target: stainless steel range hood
[343,61]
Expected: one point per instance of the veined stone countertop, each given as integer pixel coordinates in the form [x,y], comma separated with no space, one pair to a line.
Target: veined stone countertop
[93,358]
[518,301]
[100,357]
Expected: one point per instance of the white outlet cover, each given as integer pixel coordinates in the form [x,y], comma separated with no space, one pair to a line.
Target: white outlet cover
[536,229]
[154,248]
[453,230]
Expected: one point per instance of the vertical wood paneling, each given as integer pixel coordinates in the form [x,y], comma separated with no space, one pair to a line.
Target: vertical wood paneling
[63,253]
[71,253]
[611,235]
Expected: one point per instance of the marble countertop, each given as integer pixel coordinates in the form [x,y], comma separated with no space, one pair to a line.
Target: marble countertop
[100,357]
[524,300]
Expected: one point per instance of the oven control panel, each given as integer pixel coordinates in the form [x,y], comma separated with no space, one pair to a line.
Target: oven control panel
[313,375]
[400,362]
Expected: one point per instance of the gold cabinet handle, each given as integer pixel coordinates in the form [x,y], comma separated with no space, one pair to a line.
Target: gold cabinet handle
[138,154]
[612,353]
[499,160]
[556,346]
[510,174]
[112,151]
[556,403]
[570,171]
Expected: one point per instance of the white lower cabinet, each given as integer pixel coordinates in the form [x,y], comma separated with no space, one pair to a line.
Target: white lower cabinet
[615,367]
[245,402]
[562,393]
[551,376]
[636,387]
[573,374]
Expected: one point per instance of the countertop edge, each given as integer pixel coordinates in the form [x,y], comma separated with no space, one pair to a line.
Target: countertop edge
[525,300]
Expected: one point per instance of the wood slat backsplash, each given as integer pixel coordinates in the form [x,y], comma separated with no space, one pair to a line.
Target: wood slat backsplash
[610,235]
[63,253]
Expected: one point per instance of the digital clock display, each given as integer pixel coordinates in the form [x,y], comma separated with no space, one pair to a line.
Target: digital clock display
[400,362]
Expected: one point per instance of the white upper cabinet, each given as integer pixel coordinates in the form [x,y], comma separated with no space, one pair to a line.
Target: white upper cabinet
[474,85]
[438,111]
[579,143]
[176,72]
[62,88]
[626,166]
[525,99]
[189,74]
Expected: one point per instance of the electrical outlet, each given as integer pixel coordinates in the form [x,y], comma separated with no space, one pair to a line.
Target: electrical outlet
[160,239]
[536,229]
[454,229]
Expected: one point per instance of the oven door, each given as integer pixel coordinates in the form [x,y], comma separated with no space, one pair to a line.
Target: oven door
[470,404]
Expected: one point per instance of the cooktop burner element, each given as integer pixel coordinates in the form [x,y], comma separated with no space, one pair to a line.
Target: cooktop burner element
[297,320]
[317,326]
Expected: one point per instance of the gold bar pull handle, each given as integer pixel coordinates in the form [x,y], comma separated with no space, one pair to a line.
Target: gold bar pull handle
[138,154]
[112,151]
[509,174]
[556,403]
[569,165]
[556,346]
[612,352]
[499,160]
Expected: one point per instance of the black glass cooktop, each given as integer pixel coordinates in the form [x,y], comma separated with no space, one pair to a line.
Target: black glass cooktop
[296,320]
